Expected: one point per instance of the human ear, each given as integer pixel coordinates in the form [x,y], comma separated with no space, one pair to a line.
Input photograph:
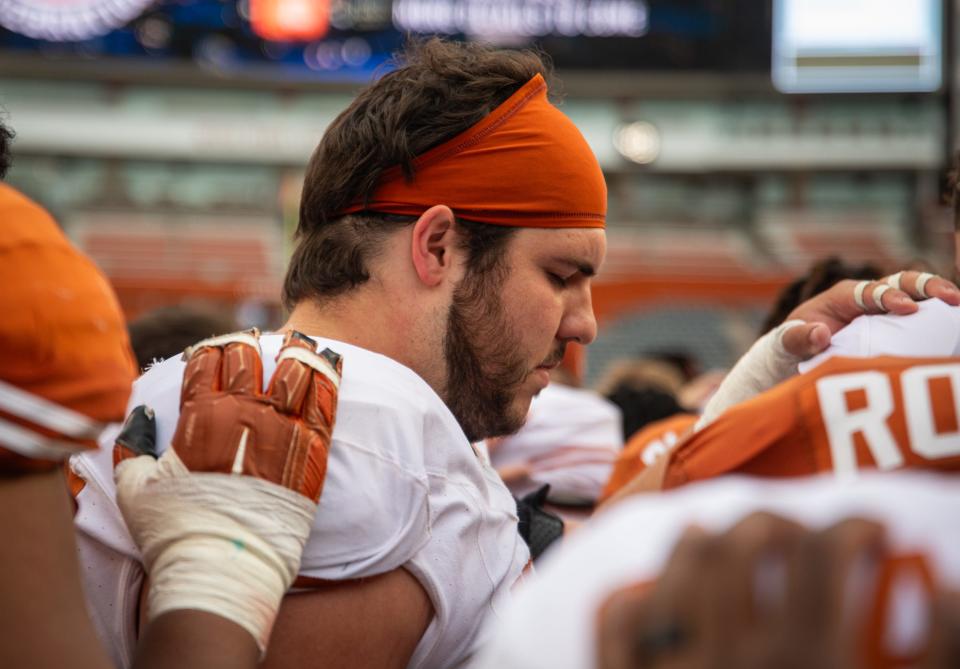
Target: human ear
[433,240]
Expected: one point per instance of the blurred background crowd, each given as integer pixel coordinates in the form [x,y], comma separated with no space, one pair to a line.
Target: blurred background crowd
[745,143]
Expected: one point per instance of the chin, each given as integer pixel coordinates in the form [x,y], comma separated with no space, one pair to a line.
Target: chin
[521,407]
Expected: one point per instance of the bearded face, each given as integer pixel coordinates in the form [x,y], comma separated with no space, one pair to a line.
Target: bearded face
[486,366]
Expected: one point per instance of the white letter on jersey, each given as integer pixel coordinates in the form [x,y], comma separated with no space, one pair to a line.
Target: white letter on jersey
[924,439]
[842,424]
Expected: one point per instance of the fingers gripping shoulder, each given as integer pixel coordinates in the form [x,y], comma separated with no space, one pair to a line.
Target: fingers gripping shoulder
[229,425]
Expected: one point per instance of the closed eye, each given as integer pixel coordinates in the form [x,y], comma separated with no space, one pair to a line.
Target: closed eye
[557,280]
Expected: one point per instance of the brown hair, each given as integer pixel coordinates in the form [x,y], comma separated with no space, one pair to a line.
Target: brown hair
[441,89]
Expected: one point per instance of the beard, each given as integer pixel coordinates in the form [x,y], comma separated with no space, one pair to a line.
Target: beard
[485,363]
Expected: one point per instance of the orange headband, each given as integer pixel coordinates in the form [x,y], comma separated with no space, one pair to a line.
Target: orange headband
[525,164]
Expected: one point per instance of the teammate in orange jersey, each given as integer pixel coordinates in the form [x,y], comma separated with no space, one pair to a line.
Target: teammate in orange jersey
[849,409]
[450,225]
[66,370]
[846,414]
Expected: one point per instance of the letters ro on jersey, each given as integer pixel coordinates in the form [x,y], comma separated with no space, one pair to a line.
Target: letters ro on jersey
[847,414]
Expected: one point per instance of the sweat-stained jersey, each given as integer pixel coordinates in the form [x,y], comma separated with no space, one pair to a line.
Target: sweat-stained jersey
[643,448]
[569,441]
[404,488]
[551,621]
[842,416]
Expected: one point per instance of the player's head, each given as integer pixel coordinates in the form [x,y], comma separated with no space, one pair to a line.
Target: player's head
[65,361]
[460,149]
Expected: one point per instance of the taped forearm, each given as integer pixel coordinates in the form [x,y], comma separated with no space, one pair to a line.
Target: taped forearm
[766,364]
[214,542]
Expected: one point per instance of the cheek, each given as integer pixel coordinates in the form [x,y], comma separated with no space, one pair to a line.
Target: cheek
[537,319]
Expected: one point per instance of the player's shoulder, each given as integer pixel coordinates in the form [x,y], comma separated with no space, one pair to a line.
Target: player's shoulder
[385,405]
[888,364]
[370,378]
[370,382]
[933,330]
[678,424]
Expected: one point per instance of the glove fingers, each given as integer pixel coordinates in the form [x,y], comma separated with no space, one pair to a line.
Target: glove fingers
[305,383]
[241,370]
[137,437]
[202,375]
[314,469]
[291,381]
[321,412]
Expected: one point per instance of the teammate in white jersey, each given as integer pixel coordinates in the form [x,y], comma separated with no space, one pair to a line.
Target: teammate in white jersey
[553,621]
[934,331]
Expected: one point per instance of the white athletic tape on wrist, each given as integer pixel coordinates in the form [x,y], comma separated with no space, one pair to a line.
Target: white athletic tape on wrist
[858,294]
[922,283]
[229,545]
[894,280]
[878,296]
[766,364]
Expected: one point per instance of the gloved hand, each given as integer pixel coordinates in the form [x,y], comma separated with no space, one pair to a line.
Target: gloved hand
[221,518]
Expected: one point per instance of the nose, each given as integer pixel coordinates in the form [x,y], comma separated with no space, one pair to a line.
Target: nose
[579,323]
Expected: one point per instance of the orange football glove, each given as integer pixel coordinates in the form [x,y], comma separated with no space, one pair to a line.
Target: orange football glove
[228,425]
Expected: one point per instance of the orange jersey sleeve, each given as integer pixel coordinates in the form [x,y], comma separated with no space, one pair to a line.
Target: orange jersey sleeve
[644,447]
[846,414]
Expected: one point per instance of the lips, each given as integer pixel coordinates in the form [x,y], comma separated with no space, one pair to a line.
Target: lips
[554,360]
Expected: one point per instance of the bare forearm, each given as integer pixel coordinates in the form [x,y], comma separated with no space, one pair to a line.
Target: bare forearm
[188,639]
[43,619]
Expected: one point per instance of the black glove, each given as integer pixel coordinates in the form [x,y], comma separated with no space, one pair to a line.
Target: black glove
[539,528]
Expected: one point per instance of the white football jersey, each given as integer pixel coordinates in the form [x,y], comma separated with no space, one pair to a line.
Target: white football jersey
[570,440]
[551,621]
[933,331]
[404,488]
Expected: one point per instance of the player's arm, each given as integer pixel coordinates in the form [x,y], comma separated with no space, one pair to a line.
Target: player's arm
[374,622]
[43,616]
[809,327]
[222,517]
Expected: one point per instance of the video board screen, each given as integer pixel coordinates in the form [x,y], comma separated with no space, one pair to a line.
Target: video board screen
[857,46]
[351,39]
